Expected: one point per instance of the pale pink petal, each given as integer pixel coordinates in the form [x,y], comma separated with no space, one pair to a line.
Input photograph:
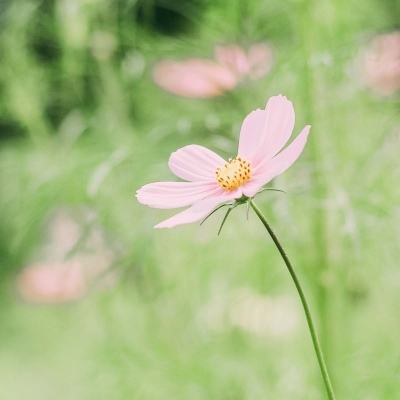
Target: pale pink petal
[260,60]
[279,124]
[194,78]
[250,134]
[199,210]
[251,188]
[195,163]
[175,194]
[381,63]
[254,63]
[234,58]
[264,133]
[52,282]
[277,165]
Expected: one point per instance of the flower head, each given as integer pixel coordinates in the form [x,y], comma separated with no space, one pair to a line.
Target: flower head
[381,63]
[203,78]
[67,272]
[52,283]
[211,181]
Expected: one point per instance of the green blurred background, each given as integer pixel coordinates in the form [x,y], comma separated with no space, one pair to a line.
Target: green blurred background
[190,315]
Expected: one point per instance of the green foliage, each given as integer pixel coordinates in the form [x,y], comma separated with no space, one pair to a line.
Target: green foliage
[82,123]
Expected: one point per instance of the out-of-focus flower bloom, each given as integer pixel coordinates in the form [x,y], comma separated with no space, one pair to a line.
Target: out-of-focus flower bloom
[381,63]
[213,181]
[203,78]
[264,315]
[194,78]
[254,63]
[52,283]
[260,315]
[73,260]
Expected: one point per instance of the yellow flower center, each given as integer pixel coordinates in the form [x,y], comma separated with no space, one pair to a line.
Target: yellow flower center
[236,172]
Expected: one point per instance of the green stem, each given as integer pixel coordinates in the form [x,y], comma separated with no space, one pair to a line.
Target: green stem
[314,337]
[313,80]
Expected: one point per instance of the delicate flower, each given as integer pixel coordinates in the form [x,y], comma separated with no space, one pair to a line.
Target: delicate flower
[381,63]
[254,63]
[213,181]
[52,283]
[194,78]
[202,78]
[74,260]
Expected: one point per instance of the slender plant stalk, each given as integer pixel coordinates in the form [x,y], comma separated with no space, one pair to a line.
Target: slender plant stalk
[313,79]
[314,337]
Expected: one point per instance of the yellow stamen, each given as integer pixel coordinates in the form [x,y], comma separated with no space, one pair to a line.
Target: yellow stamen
[236,172]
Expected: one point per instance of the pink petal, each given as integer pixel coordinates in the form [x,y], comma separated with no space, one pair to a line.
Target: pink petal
[250,134]
[381,63]
[195,163]
[264,133]
[251,188]
[279,164]
[194,78]
[199,210]
[260,59]
[234,58]
[52,282]
[175,194]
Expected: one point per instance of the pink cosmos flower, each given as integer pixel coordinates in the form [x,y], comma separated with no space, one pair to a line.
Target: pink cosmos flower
[52,283]
[59,276]
[211,181]
[254,63]
[381,64]
[202,78]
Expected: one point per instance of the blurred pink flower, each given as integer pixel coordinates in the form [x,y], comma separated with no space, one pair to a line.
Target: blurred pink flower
[194,78]
[202,78]
[254,63]
[52,283]
[381,63]
[74,258]
[213,181]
